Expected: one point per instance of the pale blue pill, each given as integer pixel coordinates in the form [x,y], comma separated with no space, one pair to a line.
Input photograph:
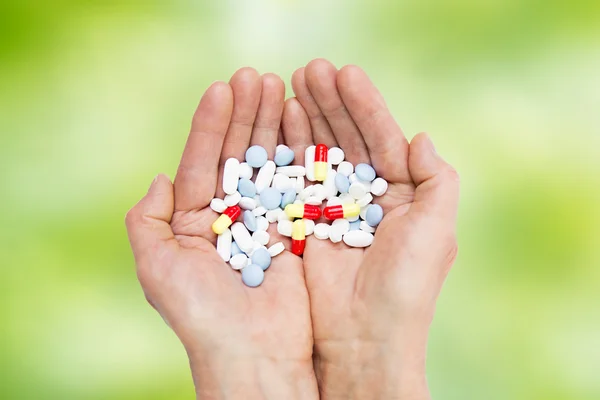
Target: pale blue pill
[355,226]
[374,215]
[289,196]
[342,183]
[253,275]
[235,249]
[365,172]
[250,220]
[256,156]
[246,188]
[284,157]
[262,258]
[270,198]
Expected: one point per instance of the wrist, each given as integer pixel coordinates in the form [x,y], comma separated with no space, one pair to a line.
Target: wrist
[372,370]
[218,378]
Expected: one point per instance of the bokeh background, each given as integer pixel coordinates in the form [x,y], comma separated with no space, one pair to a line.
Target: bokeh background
[96,98]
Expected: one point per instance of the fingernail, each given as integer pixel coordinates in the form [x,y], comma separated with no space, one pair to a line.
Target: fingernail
[153,182]
[431,146]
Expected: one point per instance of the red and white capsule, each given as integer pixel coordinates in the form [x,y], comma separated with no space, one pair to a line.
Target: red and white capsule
[320,165]
[306,211]
[298,237]
[226,219]
[341,211]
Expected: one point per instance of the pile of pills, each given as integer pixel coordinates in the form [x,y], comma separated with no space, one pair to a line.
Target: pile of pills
[278,195]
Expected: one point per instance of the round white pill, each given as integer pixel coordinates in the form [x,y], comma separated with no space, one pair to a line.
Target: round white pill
[366,184]
[314,201]
[321,231]
[363,211]
[299,184]
[283,217]
[284,227]
[239,261]
[298,202]
[247,203]
[358,238]
[218,205]
[379,186]
[335,155]
[366,199]
[232,199]
[276,249]
[262,224]
[353,178]
[346,198]
[281,182]
[357,190]
[309,227]
[231,175]
[335,201]
[319,191]
[273,214]
[345,168]
[306,192]
[366,227]
[261,237]
[246,171]
[258,211]
[335,236]
[340,226]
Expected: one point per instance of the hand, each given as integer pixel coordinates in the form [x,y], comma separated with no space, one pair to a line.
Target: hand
[242,342]
[371,309]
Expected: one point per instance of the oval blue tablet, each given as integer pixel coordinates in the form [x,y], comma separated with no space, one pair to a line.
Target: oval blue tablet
[374,215]
[365,172]
[342,183]
[246,188]
[250,220]
[262,258]
[270,198]
[289,196]
[284,157]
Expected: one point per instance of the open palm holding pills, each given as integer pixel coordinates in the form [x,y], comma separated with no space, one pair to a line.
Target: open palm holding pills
[279,195]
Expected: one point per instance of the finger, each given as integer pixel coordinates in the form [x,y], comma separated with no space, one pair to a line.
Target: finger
[385,141]
[196,178]
[148,223]
[437,182]
[296,129]
[321,78]
[246,86]
[321,131]
[268,118]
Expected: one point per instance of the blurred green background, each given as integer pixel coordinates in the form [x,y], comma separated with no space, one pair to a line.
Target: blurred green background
[96,98]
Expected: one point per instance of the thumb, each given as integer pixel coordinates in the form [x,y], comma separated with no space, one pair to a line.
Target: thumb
[148,222]
[437,182]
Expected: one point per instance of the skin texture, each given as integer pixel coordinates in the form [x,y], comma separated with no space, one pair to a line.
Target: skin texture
[371,308]
[242,342]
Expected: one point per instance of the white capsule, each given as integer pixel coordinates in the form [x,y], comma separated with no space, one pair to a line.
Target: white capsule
[353,178]
[247,203]
[258,211]
[280,147]
[357,190]
[366,199]
[329,185]
[284,228]
[218,205]
[291,171]
[309,163]
[246,171]
[293,183]
[346,198]
[335,155]
[334,201]
[283,217]
[261,237]
[262,224]
[242,237]
[281,182]
[358,238]
[276,249]
[239,261]
[299,184]
[224,245]
[231,175]
[264,176]
[309,226]
[232,199]
[366,227]
[321,231]
[345,168]
[379,186]
[272,215]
